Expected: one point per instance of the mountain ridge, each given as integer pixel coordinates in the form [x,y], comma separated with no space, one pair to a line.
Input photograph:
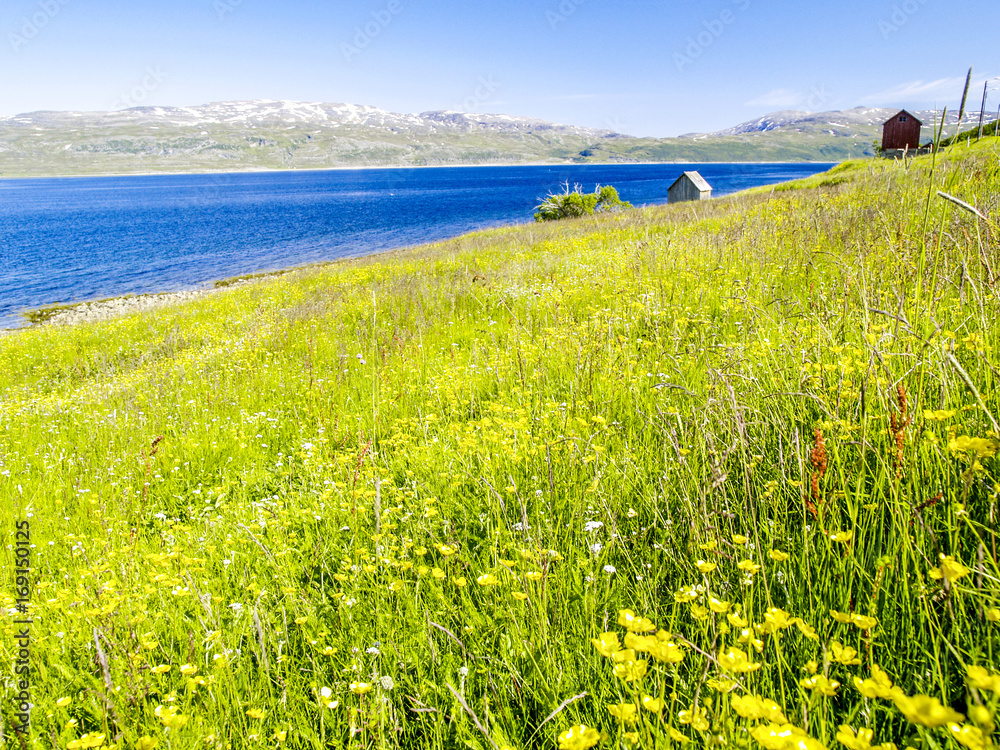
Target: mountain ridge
[284,134]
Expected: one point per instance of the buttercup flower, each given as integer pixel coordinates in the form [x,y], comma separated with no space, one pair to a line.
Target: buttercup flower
[580,737]
[626,713]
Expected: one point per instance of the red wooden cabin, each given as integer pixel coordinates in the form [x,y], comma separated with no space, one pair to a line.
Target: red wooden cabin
[901,131]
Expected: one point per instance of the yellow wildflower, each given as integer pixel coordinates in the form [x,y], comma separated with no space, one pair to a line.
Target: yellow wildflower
[739,539]
[879,686]
[736,660]
[626,713]
[860,741]
[821,684]
[950,569]
[146,743]
[685,595]
[982,679]
[983,447]
[755,708]
[91,739]
[699,612]
[844,654]
[982,716]
[580,737]
[748,566]
[533,575]
[806,629]
[776,619]
[678,736]
[256,713]
[447,550]
[777,555]
[606,644]
[666,651]
[696,717]
[360,688]
[189,669]
[970,736]
[487,579]
[717,606]
[784,737]
[926,711]
[706,567]
[640,642]
[630,621]
[938,415]
[630,671]
[519,595]
[653,704]
[864,622]
[63,702]
[736,621]
[627,654]
[721,685]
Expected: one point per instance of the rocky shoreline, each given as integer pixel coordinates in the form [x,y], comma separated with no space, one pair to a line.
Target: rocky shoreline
[88,312]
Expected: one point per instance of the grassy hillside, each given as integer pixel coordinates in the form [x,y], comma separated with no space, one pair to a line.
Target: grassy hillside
[722,474]
[45,149]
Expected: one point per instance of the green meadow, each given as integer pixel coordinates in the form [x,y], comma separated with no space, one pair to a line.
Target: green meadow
[719,474]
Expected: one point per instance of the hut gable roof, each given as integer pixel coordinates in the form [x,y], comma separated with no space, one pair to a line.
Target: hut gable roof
[697,180]
[903,112]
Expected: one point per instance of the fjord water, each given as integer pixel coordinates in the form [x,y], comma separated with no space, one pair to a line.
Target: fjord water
[73,239]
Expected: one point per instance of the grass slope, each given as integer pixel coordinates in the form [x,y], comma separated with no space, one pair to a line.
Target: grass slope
[721,467]
[123,149]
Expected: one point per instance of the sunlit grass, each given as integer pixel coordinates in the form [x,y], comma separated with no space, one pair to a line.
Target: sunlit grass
[720,473]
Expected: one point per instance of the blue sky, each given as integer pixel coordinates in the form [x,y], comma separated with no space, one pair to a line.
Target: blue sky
[644,68]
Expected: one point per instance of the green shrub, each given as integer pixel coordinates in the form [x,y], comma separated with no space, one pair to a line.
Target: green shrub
[571,204]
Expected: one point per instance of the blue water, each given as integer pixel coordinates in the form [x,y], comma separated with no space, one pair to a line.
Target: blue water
[74,239]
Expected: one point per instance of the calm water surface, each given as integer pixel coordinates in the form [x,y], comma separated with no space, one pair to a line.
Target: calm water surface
[74,239]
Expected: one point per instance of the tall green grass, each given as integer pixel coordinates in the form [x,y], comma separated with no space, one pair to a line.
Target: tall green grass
[394,502]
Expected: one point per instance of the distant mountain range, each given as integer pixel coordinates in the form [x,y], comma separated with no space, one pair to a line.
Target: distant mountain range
[247,135]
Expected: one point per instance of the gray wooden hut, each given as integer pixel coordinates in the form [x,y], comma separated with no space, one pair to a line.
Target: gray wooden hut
[690,186]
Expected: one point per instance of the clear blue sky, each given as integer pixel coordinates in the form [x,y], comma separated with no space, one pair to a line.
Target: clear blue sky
[641,67]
